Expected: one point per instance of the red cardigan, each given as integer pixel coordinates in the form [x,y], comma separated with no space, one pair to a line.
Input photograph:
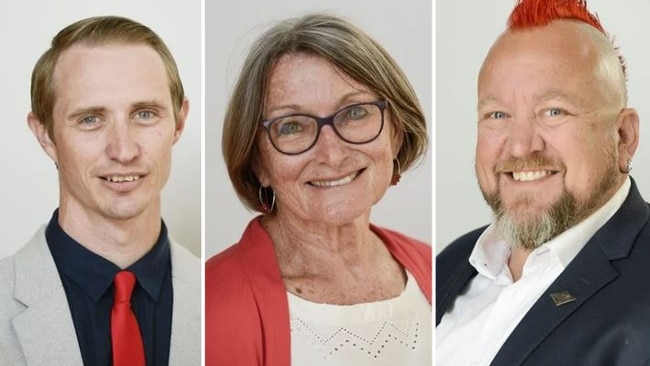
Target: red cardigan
[246,308]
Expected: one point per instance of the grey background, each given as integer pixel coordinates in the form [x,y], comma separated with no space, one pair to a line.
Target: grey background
[464,33]
[403,28]
[29,190]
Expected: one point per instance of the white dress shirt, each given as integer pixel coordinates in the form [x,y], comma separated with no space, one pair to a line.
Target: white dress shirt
[391,332]
[481,319]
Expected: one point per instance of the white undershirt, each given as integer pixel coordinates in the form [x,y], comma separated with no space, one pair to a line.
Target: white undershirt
[481,319]
[391,332]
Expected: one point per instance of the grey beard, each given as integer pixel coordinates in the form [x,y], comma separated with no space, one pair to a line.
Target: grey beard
[531,232]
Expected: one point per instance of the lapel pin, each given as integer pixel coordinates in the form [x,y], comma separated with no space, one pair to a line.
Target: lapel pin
[562,297]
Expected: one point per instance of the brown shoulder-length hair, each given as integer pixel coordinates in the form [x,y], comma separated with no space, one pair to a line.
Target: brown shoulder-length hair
[97,31]
[346,47]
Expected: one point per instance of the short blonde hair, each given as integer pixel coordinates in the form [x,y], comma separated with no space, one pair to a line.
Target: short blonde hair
[97,31]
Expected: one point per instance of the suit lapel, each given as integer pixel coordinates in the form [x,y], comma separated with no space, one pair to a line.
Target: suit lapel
[185,342]
[590,271]
[452,288]
[582,280]
[45,329]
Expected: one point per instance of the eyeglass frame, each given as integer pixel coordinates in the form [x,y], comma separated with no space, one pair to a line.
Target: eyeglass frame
[326,121]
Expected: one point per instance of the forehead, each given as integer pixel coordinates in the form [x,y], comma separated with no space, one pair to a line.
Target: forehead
[567,56]
[559,43]
[97,75]
[300,76]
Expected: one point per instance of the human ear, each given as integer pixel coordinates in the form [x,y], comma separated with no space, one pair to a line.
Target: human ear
[180,119]
[628,136]
[396,135]
[261,174]
[42,135]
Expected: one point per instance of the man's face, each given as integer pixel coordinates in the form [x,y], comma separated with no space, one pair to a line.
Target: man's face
[548,133]
[113,130]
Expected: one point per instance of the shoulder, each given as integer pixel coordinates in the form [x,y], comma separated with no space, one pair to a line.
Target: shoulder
[9,308]
[230,268]
[31,259]
[10,305]
[186,270]
[224,268]
[455,253]
[403,242]
[7,283]
[181,255]
[462,246]
[413,254]
[234,277]
[233,330]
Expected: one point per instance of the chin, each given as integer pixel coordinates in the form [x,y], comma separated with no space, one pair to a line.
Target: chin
[342,214]
[528,206]
[124,211]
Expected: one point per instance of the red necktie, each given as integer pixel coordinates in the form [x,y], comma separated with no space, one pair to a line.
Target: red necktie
[125,333]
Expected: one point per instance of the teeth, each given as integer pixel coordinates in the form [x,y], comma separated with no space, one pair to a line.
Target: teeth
[528,176]
[120,179]
[334,183]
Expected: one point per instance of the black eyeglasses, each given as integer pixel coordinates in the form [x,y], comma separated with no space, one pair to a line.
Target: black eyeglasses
[357,124]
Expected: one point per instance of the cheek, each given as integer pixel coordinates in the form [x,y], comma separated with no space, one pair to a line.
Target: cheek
[487,154]
[158,142]
[487,151]
[77,152]
[587,161]
[383,151]
[278,170]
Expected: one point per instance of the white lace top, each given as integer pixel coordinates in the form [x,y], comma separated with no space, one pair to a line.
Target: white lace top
[391,332]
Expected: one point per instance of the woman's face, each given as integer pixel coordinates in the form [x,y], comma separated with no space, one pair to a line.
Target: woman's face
[334,182]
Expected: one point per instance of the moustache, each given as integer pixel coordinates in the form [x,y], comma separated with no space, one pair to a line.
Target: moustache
[533,162]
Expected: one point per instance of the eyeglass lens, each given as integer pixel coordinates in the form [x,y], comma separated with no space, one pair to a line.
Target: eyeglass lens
[356,124]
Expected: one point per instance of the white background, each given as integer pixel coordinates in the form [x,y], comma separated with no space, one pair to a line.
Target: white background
[465,31]
[29,189]
[403,28]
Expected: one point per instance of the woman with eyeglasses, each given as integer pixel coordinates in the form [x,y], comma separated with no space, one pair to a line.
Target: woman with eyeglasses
[321,123]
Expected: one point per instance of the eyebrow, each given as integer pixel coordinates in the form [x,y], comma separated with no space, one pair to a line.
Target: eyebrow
[149,104]
[558,95]
[85,111]
[485,101]
[343,100]
[540,97]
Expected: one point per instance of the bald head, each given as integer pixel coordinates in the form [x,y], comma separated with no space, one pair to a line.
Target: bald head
[576,49]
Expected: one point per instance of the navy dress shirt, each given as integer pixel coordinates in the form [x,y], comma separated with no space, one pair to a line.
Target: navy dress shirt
[88,282]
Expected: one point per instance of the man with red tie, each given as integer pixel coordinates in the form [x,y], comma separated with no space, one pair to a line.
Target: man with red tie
[103,283]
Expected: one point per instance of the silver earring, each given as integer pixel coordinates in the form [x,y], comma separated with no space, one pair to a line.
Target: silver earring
[629,166]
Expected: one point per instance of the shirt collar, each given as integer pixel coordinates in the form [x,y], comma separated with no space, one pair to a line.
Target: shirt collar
[94,273]
[490,254]
[569,243]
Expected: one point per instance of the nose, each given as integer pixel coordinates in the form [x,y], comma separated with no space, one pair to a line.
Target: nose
[329,147]
[122,144]
[524,137]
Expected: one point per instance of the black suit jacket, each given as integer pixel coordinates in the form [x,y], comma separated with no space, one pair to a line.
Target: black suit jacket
[608,323]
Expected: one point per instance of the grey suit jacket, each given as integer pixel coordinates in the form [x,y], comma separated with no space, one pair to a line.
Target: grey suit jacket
[35,323]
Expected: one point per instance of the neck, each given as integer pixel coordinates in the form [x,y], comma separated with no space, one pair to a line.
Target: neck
[516,262]
[334,263]
[305,246]
[120,241]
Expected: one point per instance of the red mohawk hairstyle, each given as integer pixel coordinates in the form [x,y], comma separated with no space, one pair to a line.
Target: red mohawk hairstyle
[537,13]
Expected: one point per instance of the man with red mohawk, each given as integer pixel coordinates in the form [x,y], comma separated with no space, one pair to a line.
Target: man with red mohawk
[559,277]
